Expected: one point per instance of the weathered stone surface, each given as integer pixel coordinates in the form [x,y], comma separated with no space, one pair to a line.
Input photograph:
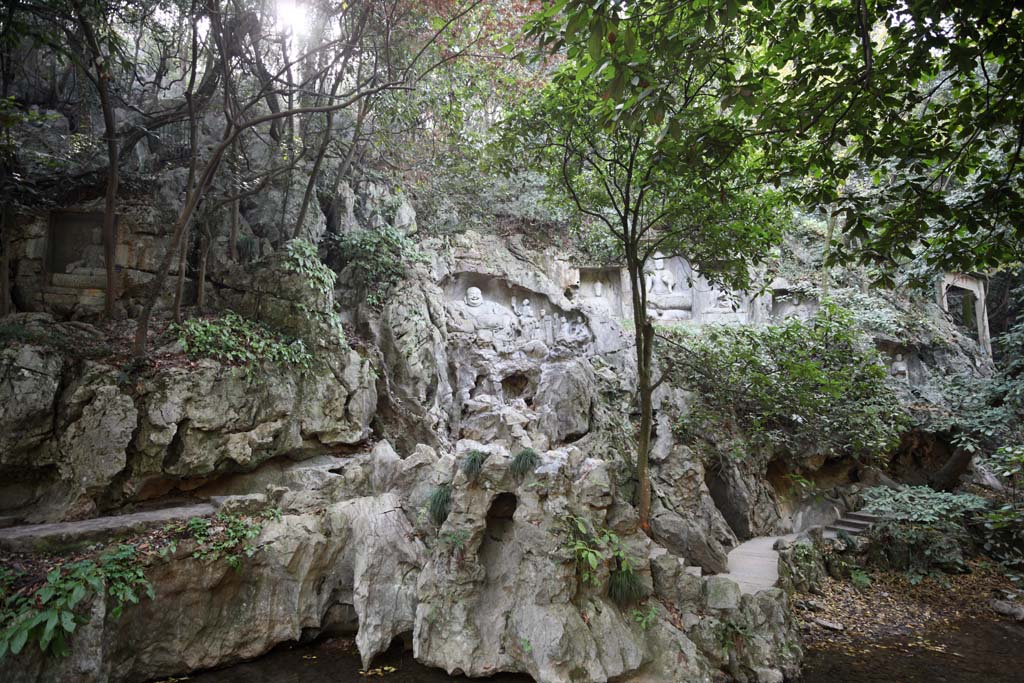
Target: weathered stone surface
[722,593]
[206,614]
[29,380]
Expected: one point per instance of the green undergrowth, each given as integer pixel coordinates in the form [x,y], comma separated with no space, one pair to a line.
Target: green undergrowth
[47,611]
[239,341]
[226,536]
[48,615]
[376,260]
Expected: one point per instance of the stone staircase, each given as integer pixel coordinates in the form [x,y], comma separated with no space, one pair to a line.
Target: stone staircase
[853,523]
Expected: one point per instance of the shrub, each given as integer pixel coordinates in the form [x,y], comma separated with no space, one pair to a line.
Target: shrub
[524,462]
[376,260]
[921,504]
[472,464]
[799,387]
[239,341]
[302,258]
[440,503]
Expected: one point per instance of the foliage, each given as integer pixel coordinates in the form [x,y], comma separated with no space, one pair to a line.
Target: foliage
[645,617]
[1003,526]
[472,463]
[240,341]
[524,462]
[921,504]
[984,413]
[593,550]
[227,535]
[440,503]
[804,387]
[920,549]
[376,260]
[860,579]
[302,258]
[902,117]
[51,614]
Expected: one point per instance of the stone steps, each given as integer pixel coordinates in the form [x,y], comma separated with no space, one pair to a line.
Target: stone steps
[72,296]
[852,523]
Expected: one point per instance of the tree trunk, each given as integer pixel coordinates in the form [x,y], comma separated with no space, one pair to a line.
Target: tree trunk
[233,235]
[179,290]
[5,259]
[110,133]
[948,476]
[204,253]
[644,339]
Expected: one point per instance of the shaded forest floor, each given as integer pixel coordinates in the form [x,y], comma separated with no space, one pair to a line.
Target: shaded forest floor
[941,629]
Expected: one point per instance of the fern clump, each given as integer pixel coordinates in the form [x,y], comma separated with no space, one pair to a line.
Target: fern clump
[440,503]
[472,464]
[624,586]
[524,462]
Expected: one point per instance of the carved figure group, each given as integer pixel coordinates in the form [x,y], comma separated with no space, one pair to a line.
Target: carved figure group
[505,328]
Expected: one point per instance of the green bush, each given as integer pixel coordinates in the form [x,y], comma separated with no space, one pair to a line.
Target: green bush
[439,505]
[239,341]
[302,258]
[524,462]
[376,259]
[922,504]
[227,536]
[798,387]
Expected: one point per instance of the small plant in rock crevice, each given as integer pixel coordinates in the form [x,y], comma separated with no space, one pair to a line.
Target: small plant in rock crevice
[593,549]
[645,617]
[624,586]
[455,540]
[439,505]
[524,462]
[226,535]
[472,464]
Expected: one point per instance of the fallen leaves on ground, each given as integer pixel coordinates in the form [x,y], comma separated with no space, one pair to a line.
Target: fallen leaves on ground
[893,613]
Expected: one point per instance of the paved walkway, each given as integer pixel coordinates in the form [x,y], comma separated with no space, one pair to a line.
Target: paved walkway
[754,565]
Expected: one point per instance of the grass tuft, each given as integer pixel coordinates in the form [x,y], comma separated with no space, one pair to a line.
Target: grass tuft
[525,461]
[440,503]
[472,464]
[624,586]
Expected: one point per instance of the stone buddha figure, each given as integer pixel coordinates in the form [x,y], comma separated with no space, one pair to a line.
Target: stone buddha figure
[486,317]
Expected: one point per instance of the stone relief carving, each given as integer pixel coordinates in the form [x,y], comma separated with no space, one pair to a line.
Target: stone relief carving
[899,368]
[520,324]
[601,290]
[669,294]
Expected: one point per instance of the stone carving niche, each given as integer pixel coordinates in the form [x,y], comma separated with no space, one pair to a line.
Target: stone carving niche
[670,294]
[601,289]
[74,250]
[508,317]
